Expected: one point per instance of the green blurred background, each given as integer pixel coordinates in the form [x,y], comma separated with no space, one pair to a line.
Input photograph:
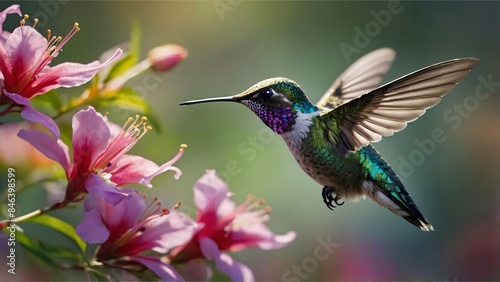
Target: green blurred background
[234,44]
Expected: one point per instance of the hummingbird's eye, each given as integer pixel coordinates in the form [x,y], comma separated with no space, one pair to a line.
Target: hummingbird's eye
[266,93]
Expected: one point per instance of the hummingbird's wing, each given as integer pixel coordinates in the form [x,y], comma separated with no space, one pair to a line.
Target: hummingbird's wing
[362,76]
[388,109]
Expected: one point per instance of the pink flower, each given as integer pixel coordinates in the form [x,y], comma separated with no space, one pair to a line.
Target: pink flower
[129,230]
[13,9]
[25,72]
[100,163]
[227,227]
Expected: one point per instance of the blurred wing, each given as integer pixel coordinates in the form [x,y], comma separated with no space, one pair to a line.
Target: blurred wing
[390,107]
[362,76]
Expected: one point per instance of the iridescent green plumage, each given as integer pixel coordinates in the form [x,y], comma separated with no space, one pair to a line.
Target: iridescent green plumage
[331,140]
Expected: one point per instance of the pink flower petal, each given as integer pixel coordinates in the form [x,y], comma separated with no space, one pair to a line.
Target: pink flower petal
[131,169]
[165,167]
[25,46]
[277,241]
[168,231]
[30,114]
[97,187]
[53,149]
[194,270]
[258,235]
[92,229]
[90,138]
[104,71]
[69,75]
[225,263]
[114,128]
[210,192]
[162,269]
[24,65]
[13,9]
[119,217]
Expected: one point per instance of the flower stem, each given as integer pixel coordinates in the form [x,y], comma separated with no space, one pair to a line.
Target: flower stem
[4,223]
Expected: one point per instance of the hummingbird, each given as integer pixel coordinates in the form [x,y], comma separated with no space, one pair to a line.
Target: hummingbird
[331,141]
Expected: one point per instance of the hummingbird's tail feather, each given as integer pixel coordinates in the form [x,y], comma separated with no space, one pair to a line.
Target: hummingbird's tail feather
[407,209]
[384,187]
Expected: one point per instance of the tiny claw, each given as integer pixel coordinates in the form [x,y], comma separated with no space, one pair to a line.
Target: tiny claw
[336,200]
[328,199]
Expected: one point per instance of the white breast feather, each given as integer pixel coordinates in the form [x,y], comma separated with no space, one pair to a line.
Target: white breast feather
[299,130]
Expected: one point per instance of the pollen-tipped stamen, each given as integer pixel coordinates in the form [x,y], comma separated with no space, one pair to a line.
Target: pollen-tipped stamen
[54,45]
[133,130]
[23,21]
[177,205]
[152,208]
[71,33]
[152,211]
[247,213]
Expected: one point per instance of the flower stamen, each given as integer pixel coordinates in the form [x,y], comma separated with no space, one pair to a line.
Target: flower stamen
[72,32]
[150,213]
[246,214]
[54,45]
[106,177]
[151,209]
[177,205]
[132,131]
[23,21]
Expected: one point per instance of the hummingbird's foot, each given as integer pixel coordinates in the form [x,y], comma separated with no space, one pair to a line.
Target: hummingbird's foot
[328,198]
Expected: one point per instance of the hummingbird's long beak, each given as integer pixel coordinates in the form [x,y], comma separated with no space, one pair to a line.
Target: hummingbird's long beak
[218,99]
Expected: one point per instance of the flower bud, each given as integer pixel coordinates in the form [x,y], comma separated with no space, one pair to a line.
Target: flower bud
[165,57]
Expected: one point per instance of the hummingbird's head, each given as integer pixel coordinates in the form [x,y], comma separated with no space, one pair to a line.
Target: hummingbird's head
[276,101]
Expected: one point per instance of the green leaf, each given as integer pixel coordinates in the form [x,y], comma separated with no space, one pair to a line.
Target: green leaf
[135,38]
[131,100]
[130,58]
[100,275]
[66,132]
[47,253]
[35,247]
[51,100]
[62,227]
